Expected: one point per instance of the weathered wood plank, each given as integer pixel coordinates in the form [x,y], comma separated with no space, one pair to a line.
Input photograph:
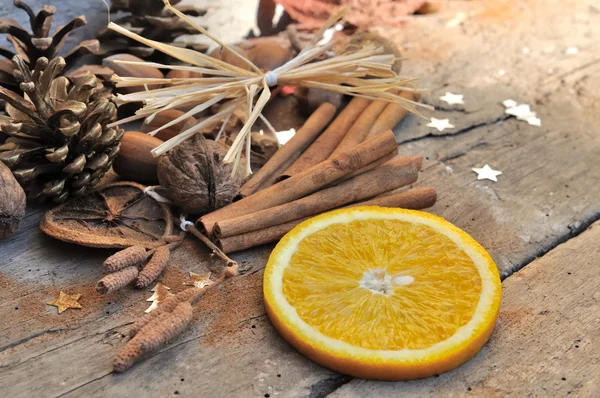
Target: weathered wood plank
[546,342]
[222,354]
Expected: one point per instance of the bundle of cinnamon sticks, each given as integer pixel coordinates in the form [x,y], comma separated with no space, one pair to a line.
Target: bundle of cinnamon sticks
[333,161]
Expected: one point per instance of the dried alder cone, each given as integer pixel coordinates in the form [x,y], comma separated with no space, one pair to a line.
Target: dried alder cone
[195,177]
[116,215]
[59,142]
[38,43]
[12,203]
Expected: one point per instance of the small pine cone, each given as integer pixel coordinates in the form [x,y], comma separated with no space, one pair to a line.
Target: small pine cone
[132,256]
[153,335]
[117,280]
[154,268]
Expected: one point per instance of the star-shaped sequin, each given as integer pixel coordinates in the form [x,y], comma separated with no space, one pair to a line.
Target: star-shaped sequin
[198,280]
[452,99]
[66,301]
[487,173]
[161,293]
[440,124]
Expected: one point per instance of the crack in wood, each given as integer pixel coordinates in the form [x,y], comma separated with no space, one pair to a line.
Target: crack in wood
[464,130]
[29,338]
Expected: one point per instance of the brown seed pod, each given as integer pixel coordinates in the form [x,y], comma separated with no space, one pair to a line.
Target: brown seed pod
[135,161]
[117,280]
[165,117]
[195,177]
[156,265]
[132,256]
[153,335]
[226,55]
[266,52]
[12,202]
[125,70]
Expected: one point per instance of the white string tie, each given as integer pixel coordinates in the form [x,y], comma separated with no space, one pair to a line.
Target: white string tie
[271,78]
[184,223]
[151,191]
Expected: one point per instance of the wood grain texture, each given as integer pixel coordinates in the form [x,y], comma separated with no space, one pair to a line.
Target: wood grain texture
[546,342]
[547,193]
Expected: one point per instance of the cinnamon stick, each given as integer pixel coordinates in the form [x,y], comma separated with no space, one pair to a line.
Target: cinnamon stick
[416,199]
[391,115]
[306,182]
[369,167]
[359,130]
[392,175]
[326,143]
[288,153]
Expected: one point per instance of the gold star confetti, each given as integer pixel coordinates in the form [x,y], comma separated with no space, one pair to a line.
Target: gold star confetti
[440,124]
[453,99]
[66,301]
[161,293]
[198,280]
[486,172]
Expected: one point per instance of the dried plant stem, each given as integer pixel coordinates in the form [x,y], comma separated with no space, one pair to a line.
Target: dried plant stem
[218,252]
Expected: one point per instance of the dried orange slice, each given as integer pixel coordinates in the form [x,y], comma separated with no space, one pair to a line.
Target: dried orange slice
[387,294]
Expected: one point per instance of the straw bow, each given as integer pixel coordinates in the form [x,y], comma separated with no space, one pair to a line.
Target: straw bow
[364,72]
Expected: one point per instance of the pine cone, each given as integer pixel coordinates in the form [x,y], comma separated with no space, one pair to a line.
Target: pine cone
[37,44]
[59,142]
[150,19]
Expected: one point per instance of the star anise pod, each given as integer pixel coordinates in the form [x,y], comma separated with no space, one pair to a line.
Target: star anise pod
[116,215]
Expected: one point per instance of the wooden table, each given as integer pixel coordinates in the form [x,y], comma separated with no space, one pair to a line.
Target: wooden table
[537,221]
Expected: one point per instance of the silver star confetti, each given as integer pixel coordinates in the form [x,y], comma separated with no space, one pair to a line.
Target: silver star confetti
[521,112]
[487,173]
[440,124]
[452,99]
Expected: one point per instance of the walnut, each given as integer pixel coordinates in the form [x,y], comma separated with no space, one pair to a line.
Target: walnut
[12,203]
[194,176]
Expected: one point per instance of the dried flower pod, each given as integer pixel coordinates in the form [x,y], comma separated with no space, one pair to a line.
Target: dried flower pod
[132,256]
[12,203]
[153,335]
[156,265]
[165,117]
[117,280]
[196,178]
[134,161]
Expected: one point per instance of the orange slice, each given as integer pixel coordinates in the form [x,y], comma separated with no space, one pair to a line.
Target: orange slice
[387,294]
